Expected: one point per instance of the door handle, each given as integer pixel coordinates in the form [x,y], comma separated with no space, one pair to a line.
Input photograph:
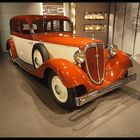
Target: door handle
[31,43]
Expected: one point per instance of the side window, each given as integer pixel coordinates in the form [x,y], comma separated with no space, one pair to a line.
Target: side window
[37,26]
[67,26]
[15,26]
[41,26]
[34,26]
[25,28]
[56,25]
[48,25]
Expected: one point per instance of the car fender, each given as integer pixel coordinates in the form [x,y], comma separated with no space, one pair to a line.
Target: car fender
[117,66]
[70,74]
[10,44]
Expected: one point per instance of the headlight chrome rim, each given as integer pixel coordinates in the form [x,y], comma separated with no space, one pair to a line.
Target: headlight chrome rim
[79,56]
[112,49]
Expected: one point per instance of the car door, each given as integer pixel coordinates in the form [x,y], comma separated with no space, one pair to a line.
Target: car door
[24,43]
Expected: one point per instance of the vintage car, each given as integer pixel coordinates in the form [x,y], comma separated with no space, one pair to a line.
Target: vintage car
[77,69]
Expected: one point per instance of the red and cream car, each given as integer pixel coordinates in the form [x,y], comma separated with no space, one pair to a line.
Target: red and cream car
[77,69]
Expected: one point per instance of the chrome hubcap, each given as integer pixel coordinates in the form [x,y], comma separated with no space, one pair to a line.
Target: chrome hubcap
[36,61]
[59,90]
[37,58]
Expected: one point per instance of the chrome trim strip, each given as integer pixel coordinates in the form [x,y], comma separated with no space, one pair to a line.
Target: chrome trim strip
[95,45]
[97,63]
[90,96]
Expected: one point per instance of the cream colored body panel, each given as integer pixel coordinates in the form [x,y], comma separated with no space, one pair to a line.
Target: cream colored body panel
[24,50]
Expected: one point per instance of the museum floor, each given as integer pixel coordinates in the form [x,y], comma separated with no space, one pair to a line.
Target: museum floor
[27,109]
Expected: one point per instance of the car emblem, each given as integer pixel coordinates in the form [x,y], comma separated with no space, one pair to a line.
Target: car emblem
[97,55]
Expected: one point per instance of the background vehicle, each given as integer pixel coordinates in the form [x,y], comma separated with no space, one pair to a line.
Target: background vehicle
[78,69]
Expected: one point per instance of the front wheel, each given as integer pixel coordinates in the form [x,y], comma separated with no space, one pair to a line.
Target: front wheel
[37,58]
[64,96]
[39,55]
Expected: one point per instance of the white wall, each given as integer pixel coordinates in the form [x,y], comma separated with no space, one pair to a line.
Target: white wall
[119,24]
[125,35]
[111,22]
[7,10]
[66,9]
[129,32]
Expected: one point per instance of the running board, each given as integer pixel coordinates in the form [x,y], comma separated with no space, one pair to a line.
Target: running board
[27,67]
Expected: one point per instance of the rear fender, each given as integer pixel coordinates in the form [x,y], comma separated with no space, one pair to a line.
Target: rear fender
[10,44]
[70,74]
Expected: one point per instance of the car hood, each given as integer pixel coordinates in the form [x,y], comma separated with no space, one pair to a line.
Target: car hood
[66,39]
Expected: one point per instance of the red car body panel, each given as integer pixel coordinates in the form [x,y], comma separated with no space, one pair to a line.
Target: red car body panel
[12,45]
[72,75]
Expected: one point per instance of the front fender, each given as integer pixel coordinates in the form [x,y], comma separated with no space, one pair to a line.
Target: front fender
[117,66]
[70,74]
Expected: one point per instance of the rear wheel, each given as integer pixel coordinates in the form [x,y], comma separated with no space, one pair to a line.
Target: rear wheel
[10,54]
[64,96]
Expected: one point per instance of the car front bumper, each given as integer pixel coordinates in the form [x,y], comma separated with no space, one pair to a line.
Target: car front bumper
[90,96]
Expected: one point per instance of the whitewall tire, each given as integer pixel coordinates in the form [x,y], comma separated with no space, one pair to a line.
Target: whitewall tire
[64,96]
[59,90]
[37,58]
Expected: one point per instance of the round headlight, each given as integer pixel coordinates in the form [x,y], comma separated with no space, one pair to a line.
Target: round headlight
[112,49]
[79,56]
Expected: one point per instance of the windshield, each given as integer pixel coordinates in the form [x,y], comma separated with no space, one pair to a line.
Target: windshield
[55,25]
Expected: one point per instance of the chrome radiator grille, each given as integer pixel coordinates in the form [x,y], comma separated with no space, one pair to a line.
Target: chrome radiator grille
[95,63]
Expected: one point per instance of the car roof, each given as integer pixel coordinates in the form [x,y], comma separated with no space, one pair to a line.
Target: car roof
[33,17]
